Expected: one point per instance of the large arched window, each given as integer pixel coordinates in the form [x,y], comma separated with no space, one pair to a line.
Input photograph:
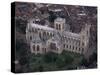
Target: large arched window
[38,48]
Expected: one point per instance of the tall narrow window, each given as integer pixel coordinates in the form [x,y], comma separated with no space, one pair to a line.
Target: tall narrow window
[69,40]
[64,45]
[66,39]
[76,48]
[30,37]
[59,27]
[33,21]
[70,46]
[67,46]
[82,50]
[53,34]
[63,25]
[44,33]
[33,47]
[45,50]
[40,34]
[38,48]
[82,44]
[73,47]
[50,34]
[87,33]
[79,49]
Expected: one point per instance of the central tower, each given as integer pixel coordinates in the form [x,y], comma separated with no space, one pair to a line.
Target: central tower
[59,24]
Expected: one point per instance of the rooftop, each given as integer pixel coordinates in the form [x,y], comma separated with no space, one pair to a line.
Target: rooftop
[60,19]
[70,34]
[41,27]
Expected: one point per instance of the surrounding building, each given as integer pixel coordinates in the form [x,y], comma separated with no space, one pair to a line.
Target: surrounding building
[44,39]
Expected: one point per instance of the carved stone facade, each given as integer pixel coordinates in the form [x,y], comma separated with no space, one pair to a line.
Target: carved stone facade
[44,39]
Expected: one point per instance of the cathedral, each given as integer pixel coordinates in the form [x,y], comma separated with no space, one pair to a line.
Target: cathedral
[43,38]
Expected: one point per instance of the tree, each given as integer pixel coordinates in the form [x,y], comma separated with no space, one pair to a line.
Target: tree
[40,68]
[21,25]
[84,62]
[52,16]
[93,58]
[50,57]
[64,59]
[60,62]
